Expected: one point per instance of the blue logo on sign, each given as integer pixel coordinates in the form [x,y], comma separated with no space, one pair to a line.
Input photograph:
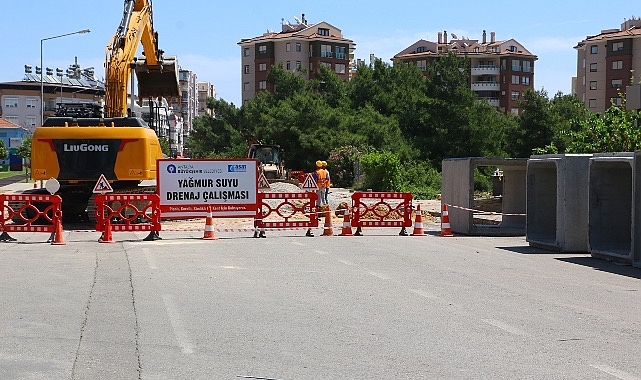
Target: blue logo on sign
[236,168]
[171,168]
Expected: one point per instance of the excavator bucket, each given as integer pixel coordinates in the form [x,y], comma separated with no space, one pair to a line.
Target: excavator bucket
[159,80]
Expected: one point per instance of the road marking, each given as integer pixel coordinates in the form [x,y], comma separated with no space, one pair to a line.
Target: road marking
[297,243]
[506,327]
[381,276]
[614,372]
[176,322]
[425,294]
[151,261]
[320,252]
[346,262]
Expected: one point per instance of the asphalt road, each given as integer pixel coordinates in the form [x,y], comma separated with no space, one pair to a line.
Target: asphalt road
[380,306]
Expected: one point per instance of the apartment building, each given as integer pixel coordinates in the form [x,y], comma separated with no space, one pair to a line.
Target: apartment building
[205,90]
[186,107]
[296,46]
[500,71]
[606,64]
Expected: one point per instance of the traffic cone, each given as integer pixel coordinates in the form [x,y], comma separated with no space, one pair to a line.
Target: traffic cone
[57,234]
[418,223]
[347,224]
[446,231]
[35,184]
[106,235]
[209,227]
[327,229]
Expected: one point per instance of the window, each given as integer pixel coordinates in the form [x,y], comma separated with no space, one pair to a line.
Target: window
[422,64]
[298,47]
[262,67]
[616,101]
[515,95]
[246,86]
[262,49]
[10,102]
[11,119]
[297,65]
[617,83]
[514,111]
[340,68]
[593,67]
[340,52]
[246,52]
[515,79]
[246,69]
[323,32]
[513,48]
[262,85]
[288,47]
[516,65]
[617,65]
[326,64]
[326,51]
[593,85]
[592,103]
[32,103]
[594,49]
[421,49]
[527,66]
[31,121]
[617,46]
[525,80]
[288,65]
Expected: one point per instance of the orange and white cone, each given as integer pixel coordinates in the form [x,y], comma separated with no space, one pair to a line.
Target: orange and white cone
[446,230]
[106,234]
[57,234]
[209,227]
[347,224]
[327,229]
[418,223]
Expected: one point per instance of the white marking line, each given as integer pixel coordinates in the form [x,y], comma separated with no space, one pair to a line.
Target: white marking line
[382,277]
[346,262]
[151,261]
[176,323]
[614,372]
[320,252]
[425,294]
[297,243]
[506,327]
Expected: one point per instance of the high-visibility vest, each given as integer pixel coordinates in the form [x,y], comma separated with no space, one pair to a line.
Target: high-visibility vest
[321,178]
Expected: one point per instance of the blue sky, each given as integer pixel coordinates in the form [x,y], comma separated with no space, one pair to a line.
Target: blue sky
[204,33]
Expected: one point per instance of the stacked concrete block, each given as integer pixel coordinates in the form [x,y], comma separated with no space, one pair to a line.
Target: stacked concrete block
[557,201]
[611,191]
[458,190]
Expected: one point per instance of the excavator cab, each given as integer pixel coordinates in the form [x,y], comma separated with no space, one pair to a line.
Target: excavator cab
[159,80]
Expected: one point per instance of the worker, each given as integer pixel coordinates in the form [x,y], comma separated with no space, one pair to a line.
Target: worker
[320,176]
[328,183]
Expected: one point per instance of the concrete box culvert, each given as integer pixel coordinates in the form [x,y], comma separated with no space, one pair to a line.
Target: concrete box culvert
[611,223]
[557,202]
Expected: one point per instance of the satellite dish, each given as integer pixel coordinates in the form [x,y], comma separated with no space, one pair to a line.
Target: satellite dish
[454,36]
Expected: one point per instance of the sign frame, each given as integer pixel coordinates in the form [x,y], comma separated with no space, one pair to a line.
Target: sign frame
[190,188]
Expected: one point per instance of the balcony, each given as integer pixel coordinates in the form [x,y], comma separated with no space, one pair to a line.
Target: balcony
[485,70]
[486,86]
[491,101]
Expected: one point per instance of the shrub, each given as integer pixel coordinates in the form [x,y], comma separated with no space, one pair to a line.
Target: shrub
[421,179]
[341,165]
[382,171]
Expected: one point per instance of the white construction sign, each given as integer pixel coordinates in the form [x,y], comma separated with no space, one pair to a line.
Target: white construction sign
[190,188]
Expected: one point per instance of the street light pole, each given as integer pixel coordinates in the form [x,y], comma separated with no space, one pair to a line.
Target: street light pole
[42,71]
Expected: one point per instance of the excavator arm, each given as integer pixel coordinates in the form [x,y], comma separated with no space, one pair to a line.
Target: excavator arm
[157,75]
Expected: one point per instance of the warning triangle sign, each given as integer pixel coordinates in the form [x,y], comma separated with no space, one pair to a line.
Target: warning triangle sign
[309,182]
[262,182]
[102,186]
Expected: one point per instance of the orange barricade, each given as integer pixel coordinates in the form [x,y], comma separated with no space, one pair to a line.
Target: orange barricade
[129,212]
[36,213]
[380,210]
[297,210]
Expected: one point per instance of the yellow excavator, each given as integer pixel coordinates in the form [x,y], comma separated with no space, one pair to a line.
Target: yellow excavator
[119,145]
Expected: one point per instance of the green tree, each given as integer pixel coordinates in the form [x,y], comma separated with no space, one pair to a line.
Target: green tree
[382,171]
[614,131]
[217,136]
[4,152]
[165,146]
[24,150]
